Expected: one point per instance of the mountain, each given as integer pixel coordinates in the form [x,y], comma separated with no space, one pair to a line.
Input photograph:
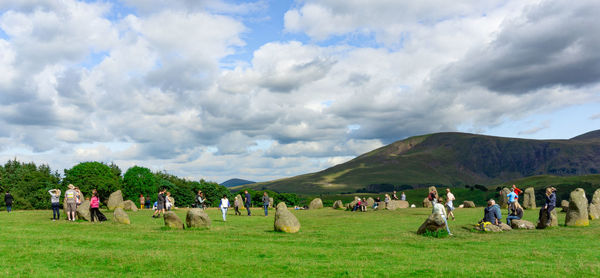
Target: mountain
[451,159]
[236,182]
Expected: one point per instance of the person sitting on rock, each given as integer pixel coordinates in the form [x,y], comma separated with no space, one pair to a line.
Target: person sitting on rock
[357,206]
[516,212]
[438,207]
[363,205]
[491,213]
[376,204]
[387,199]
[549,205]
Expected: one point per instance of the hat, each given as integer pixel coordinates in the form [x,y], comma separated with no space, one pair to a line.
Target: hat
[71,186]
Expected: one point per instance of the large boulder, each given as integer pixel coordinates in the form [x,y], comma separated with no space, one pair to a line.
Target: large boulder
[271,202]
[402,204]
[504,227]
[338,204]
[316,203]
[115,200]
[529,198]
[577,215]
[370,202]
[543,221]
[285,221]
[564,205]
[489,228]
[433,223]
[521,224]
[120,216]
[596,197]
[594,211]
[351,205]
[468,204]
[197,218]
[427,203]
[172,220]
[129,205]
[395,204]
[503,199]
[83,211]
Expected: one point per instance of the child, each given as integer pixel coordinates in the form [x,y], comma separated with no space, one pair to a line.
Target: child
[95,206]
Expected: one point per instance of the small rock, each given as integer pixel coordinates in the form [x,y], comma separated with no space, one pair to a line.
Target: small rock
[504,227]
[427,203]
[433,223]
[120,216]
[338,204]
[521,224]
[129,205]
[468,204]
[197,218]
[172,220]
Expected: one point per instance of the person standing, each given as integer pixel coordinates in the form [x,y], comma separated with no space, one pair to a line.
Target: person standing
[160,204]
[224,206]
[247,201]
[394,196]
[449,203]
[439,208]
[8,200]
[70,199]
[236,205]
[95,206]
[78,196]
[403,197]
[387,200]
[169,201]
[433,196]
[199,200]
[55,201]
[142,201]
[265,200]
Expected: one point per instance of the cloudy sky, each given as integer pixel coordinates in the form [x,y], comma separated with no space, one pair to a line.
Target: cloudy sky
[268,89]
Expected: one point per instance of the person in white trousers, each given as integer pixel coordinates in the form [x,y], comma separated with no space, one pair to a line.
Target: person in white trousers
[224,206]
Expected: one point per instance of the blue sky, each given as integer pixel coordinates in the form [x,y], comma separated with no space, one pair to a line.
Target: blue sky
[269,89]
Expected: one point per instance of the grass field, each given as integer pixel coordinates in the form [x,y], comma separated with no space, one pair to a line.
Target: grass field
[331,243]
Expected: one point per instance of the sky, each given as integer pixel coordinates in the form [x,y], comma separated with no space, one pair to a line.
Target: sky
[260,90]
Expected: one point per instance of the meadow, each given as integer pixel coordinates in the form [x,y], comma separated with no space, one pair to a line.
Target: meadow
[331,243]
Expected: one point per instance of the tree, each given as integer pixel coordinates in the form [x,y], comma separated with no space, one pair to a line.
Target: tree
[28,183]
[93,175]
[139,180]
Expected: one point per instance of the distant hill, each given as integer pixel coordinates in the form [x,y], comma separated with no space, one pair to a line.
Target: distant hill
[451,159]
[236,182]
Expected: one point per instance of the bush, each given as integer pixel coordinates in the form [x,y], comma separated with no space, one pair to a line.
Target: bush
[436,234]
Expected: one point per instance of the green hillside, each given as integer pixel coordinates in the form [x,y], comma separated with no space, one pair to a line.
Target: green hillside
[450,159]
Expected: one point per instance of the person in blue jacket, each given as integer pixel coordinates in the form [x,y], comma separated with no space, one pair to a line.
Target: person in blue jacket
[549,205]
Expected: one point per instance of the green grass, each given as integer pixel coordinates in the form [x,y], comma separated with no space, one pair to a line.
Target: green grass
[331,243]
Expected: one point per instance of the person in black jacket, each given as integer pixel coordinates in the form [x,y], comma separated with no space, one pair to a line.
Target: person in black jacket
[8,200]
[549,205]
[248,201]
[160,203]
[490,213]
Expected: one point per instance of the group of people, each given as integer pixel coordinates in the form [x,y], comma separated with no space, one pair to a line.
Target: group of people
[73,199]
[493,214]
[362,205]
[444,209]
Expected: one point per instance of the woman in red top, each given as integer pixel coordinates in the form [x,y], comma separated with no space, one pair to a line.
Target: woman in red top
[94,206]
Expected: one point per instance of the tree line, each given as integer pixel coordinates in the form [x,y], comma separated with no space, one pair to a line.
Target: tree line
[29,184]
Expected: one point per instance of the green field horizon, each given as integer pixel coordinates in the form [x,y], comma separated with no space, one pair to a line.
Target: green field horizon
[331,243]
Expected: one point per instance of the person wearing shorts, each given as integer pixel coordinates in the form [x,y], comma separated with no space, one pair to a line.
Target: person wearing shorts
[71,201]
[449,203]
[160,204]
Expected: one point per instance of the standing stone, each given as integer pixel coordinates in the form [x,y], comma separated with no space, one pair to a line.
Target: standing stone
[172,220]
[120,216]
[370,202]
[577,215]
[271,202]
[115,200]
[564,205]
[83,211]
[351,205]
[129,205]
[594,211]
[426,203]
[521,224]
[285,221]
[433,223]
[315,204]
[529,198]
[393,205]
[197,218]
[596,197]
[402,204]
[544,219]
[240,200]
[468,204]
[338,204]
[503,199]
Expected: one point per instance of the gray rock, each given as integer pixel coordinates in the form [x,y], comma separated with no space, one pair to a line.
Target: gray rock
[594,211]
[129,205]
[381,205]
[521,224]
[433,223]
[370,202]
[197,218]
[115,200]
[172,220]
[239,200]
[504,227]
[338,204]
[271,202]
[427,203]
[468,204]
[120,216]
[285,221]
[564,205]
[351,205]
[83,211]
[596,197]
[396,204]
[529,198]
[577,215]
[543,221]
[490,228]
[503,199]
[316,203]
[403,204]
